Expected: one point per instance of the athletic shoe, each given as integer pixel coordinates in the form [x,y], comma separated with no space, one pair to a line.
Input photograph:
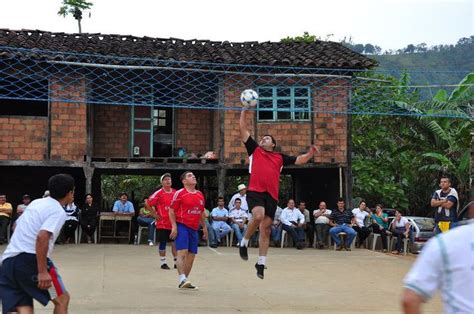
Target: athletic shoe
[243,252]
[165,266]
[150,243]
[260,269]
[339,248]
[214,245]
[187,285]
[347,248]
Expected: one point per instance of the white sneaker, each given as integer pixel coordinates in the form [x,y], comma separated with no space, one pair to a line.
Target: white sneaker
[150,243]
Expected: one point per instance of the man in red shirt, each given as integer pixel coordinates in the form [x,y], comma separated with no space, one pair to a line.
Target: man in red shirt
[161,201]
[186,213]
[262,193]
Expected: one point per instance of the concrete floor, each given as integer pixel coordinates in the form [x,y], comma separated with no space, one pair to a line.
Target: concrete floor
[127,279]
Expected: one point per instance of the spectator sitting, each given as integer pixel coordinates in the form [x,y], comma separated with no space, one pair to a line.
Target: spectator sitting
[6,210]
[400,228]
[307,226]
[26,200]
[220,215]
[210,232]
[72,220]
[276,227]
[342,220]
[380,225]
[123,207]
[146,219]
[88,219]
[292,222]
[321,224]
[238,218]
[360,214]
[242,195]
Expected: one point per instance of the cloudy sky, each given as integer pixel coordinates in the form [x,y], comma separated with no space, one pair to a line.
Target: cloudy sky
[390,24]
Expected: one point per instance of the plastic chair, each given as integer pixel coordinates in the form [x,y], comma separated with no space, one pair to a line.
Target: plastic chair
[342,235]
[284,238]
[140,230]
[78,239]
[405,244]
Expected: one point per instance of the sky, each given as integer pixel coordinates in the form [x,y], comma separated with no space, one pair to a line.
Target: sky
[389,24]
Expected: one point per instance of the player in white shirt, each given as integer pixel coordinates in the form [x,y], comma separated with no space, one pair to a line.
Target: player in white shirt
[27,271]
[446,263]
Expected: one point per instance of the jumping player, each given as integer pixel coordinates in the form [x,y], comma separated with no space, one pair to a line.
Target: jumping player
[186,212]
[161,201]
[27,272]
[262,194]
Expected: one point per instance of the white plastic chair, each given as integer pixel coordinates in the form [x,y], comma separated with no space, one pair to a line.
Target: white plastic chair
[341,234]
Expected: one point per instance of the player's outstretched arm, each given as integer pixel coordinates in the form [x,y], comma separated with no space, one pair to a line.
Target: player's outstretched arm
[244,131]
[304,158]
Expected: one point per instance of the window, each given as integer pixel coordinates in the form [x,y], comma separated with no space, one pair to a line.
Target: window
[23,97]
[284,103]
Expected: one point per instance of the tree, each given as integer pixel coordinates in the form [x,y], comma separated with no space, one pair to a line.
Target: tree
[75,7]
[306,38]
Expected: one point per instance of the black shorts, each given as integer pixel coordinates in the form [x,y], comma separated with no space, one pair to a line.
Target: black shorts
[163,235]
[263,199]
[19,282]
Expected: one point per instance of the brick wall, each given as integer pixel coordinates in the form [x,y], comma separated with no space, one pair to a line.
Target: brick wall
[193,130]
[293,138]
[23,138]
[111,131]
[68,120]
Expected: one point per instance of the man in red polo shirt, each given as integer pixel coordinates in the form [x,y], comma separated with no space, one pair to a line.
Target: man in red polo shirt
[186,213]
[161,201]
[262,193]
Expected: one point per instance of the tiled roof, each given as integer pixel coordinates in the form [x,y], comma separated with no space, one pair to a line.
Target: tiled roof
[320,54]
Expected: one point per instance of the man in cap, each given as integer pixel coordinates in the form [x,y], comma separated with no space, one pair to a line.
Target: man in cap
[159,205]
[26,199]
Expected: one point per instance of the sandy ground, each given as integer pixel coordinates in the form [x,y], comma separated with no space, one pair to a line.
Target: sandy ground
[127,279]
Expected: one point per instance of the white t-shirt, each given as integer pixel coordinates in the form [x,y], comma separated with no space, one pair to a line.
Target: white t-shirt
[42,214]
[400,224]
[360,216]
[447,263]
[322,219]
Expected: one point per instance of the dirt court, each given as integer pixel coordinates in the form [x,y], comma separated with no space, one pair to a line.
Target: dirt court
[127,279]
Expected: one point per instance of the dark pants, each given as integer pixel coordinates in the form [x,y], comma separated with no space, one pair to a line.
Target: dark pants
[322,233]
[296,233]
[362,232]
[309,229]
[88,225]
[399,234]
[69,229]
[4,221]
[383,234]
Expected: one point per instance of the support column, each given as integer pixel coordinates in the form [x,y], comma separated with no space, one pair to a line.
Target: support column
[221,174]
[89,173]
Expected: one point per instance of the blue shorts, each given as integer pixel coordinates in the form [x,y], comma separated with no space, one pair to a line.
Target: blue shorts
[19,282]
[187,239]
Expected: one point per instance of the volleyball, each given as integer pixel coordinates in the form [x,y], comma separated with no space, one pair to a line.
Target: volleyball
[249,98]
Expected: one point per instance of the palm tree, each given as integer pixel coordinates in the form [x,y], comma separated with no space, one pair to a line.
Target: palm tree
[74,7]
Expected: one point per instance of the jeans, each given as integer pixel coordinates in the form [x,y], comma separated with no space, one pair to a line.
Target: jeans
[399,234]
[239,232]
[210,233]
[148,222]
[4,221]
[276,233]
[351,234]
[296,233]
[383,234]
[322,232]
[221,228]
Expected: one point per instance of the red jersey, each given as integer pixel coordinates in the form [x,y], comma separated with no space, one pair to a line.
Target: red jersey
[265,168]
[161,200]
[188,207]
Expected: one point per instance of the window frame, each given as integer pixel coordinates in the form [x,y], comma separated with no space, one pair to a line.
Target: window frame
[292,98]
